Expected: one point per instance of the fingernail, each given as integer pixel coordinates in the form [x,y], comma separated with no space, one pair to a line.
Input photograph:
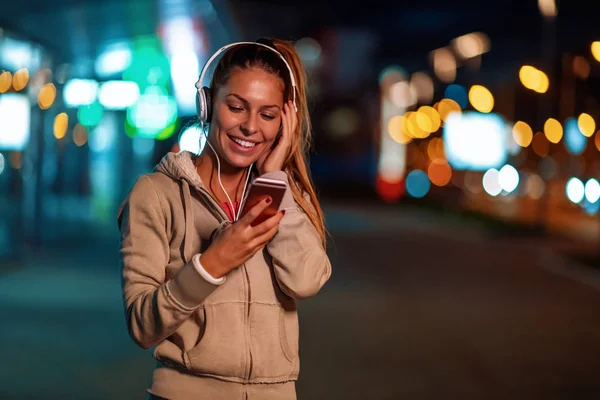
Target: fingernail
[283,212]
[269,200]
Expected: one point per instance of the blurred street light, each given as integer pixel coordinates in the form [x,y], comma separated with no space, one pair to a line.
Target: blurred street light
[534,79]
[471,45]
[596,50]
[481,98]
[548,8]
[444,64]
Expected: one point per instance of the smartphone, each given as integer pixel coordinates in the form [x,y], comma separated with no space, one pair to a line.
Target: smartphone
[259,189]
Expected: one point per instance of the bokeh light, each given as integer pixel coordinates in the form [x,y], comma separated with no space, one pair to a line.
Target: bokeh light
[534,79]
[20,79]
[446,107]
[596,50]
[575,141]
[396,129]
[586,124]
[522,134]
[61,123]
[535,186]
[457,93]
[47,96]
[439,172]
[575,190]
[553,130]
[491,182]
[5,81]
[80,135]
[481,98]
[417,183]
[592,190]
[508,178]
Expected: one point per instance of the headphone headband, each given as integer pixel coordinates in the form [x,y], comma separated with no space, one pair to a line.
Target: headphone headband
[257,43]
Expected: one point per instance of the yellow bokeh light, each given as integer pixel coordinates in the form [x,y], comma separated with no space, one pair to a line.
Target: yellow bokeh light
[553,130]
[597,140]
[534,79]
[414,130]
[522,133]
[435,148]
[586,124]
[5,81]
[61,123]
[528,76]
[20,79]
[596,50]
[47,96]
[481,98]
[433,120]
[406,124]
[424,122]
[540,144]
[544,83]
[439,172]
[447,106]
[396,129]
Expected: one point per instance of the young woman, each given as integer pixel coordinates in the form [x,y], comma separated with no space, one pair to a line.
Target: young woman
[214,295]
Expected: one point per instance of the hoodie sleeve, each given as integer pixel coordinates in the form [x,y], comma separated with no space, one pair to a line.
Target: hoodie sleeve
[154,308]
[300,262]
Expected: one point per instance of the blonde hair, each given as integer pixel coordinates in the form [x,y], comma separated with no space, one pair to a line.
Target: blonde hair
[296,164]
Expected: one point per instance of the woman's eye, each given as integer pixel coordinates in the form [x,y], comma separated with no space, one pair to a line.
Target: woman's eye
[235,109]
[268,117]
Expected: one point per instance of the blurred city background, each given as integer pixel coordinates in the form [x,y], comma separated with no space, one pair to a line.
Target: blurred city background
[456,152]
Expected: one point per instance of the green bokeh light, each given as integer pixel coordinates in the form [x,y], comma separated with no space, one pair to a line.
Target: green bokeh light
[154,112]
[90,115]
[149,65]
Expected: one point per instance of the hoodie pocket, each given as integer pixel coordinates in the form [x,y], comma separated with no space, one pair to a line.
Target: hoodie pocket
[273,359]
[221,351]
[290,335]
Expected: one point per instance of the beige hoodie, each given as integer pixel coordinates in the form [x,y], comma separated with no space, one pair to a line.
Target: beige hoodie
[245,330]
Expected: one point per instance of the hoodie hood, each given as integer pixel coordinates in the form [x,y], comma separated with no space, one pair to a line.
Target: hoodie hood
[180,167]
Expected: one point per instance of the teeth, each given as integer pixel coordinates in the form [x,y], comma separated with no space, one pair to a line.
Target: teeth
[243,142]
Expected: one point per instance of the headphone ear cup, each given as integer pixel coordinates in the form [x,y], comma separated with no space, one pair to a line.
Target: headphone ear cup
[208,104]
[203,104]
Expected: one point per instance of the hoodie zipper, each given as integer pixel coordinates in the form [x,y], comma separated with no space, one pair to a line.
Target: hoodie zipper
[222,217]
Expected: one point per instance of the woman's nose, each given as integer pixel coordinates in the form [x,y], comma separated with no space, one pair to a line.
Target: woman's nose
[250,126]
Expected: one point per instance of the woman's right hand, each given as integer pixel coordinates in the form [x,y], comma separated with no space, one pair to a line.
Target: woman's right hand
[239,241]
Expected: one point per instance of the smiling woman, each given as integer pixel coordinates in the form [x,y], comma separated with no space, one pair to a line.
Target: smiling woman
[216,294]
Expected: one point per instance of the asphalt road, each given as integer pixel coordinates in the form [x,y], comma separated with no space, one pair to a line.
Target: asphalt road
[419,307]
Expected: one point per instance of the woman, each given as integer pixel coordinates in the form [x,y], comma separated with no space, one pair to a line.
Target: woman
[213,295]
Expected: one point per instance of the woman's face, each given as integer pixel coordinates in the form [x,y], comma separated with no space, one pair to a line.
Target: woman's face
[247,116]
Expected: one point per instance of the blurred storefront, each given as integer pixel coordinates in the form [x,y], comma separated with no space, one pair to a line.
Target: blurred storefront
[75,132]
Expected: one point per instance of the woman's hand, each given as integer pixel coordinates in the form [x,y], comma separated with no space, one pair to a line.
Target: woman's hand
[240,241]
[272,160]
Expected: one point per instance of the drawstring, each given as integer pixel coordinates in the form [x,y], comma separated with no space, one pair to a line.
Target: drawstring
[189,221]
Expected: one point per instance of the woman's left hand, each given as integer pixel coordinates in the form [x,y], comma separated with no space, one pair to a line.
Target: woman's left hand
[273,159]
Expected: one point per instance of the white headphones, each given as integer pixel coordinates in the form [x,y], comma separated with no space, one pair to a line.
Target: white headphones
[204,97]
